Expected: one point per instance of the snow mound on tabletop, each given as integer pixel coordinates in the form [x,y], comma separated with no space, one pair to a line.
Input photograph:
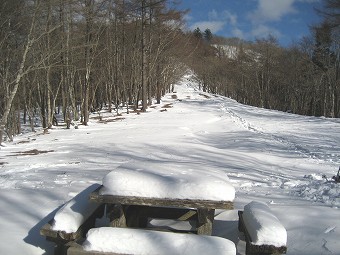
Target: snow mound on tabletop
[168,180]
[75,212]
[147,242]
[263,226]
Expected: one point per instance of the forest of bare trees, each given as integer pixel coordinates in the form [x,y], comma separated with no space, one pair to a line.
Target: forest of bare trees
[77,56]
[72,57]
[303,78]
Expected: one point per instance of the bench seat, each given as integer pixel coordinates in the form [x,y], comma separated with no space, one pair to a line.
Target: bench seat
[73,219]
[263,231]
[108,240]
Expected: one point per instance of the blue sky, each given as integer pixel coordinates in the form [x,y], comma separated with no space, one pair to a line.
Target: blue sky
[287,20]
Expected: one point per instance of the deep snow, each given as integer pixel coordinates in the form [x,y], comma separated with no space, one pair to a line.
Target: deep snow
[269,156]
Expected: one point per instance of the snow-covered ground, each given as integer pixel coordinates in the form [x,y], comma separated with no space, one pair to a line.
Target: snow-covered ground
[269,156]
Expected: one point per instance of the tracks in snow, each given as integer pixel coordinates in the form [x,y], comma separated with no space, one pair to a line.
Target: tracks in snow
[285,140]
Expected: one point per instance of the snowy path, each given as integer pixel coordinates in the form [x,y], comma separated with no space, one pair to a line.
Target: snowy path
[283,128]
[270,156]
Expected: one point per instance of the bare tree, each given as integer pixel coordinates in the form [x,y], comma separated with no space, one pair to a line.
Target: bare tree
[13,86]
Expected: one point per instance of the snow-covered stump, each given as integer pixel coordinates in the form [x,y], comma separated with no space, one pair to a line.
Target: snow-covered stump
[73,219]
[263,231]
[108,240]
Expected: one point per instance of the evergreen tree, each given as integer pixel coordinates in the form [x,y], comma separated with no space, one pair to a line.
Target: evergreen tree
[198,33]
[208,35]
[322,55]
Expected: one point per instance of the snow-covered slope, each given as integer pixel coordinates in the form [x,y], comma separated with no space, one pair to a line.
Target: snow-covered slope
[227,50]
[269,156]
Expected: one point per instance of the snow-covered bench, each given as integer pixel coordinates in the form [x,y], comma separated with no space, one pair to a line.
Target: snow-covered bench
[73,219]
[108,240]
[263,231]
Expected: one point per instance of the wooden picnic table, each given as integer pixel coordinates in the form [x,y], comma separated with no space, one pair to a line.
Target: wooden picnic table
[133,211]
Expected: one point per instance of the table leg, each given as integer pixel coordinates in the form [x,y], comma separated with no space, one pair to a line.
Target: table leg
[117,216]
[205,221]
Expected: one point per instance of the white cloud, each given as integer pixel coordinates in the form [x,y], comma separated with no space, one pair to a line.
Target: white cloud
[213,15]
[188,17]
[309,1]
[216,21]
[225,15]
[230,17]
[238,33]
[271,10]
[262,31]
[214,26]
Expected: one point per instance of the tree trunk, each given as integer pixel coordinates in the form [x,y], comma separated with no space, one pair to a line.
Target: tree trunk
[89,5]
[144,60]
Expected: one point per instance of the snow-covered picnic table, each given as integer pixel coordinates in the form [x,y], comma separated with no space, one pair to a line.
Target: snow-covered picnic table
[154,189]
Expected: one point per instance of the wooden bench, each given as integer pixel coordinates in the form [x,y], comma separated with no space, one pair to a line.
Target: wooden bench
[259,225]
[112,241]
[62,237]
[84,215]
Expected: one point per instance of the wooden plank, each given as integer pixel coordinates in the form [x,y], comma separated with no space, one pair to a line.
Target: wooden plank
[189,214]
[266,249]
[243,229]
[166,202]
[137,216]
[46,230]
[182,214]
[240,222]
[59,236]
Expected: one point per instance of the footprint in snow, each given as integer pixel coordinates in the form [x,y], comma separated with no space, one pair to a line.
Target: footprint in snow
[330,230]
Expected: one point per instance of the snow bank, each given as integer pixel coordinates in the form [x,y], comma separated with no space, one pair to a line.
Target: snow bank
[317,189]
[263,226]
[168,180]
[146,242]
[75,212]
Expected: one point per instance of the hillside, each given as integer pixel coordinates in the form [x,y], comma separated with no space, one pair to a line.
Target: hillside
[269,156]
